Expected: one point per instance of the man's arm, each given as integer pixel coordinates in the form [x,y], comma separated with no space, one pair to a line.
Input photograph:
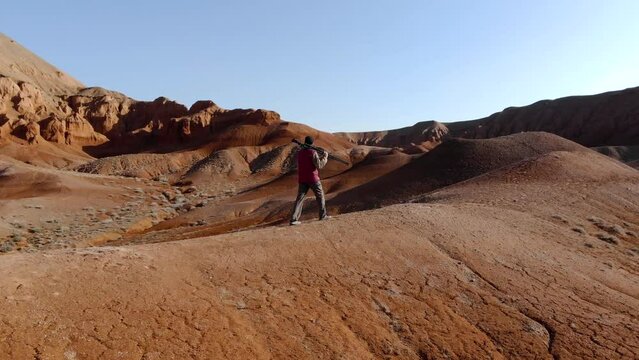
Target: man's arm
[320,160]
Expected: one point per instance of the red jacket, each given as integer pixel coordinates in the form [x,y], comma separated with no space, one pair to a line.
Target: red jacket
[307,164]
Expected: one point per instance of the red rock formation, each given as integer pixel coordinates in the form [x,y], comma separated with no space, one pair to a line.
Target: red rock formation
[80,132]
[32,132]
[54,129]
[109,123]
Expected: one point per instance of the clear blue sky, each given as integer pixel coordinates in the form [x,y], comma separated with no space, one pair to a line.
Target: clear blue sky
[339,65]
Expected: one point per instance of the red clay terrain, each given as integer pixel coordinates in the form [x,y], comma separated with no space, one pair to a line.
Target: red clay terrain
[151,230]
[514,264]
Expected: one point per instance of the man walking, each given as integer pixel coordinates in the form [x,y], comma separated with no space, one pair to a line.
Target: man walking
[308,163]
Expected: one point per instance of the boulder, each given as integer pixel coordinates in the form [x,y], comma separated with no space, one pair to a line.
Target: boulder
[54,129]
[32,132]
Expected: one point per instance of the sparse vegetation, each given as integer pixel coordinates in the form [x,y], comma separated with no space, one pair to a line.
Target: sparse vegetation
[610,239]
[34,230]
[560,218]
[6,246]
[578,229]
[605,226]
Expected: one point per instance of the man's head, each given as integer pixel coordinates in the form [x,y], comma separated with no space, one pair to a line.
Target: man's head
[308,140]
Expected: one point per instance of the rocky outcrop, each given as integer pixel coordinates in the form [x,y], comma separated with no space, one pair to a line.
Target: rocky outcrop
[80,132]
[4,125]
[105,122]
[8,90]
[55,130]
[32,132]
[29,100]
[41,103]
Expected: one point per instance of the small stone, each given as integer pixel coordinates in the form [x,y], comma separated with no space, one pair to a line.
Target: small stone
[167,195]
[189,189]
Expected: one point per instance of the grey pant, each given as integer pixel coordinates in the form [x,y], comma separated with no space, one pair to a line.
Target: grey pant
[301,194]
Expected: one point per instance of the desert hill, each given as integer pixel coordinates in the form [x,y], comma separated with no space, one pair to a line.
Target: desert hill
[537,276]
[149,230]
[605,119]
[22,65]
[379,179]
[151,139]
[594,120]
[269,202]
[453,161]
[420,137]
[626,154]
[601,120]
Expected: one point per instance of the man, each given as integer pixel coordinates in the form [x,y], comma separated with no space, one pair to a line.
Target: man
[308,163]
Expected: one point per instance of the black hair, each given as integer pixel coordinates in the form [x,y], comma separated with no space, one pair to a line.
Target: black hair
[308,140]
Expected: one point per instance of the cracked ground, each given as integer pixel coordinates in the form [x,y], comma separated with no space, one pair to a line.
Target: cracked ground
[506,266]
